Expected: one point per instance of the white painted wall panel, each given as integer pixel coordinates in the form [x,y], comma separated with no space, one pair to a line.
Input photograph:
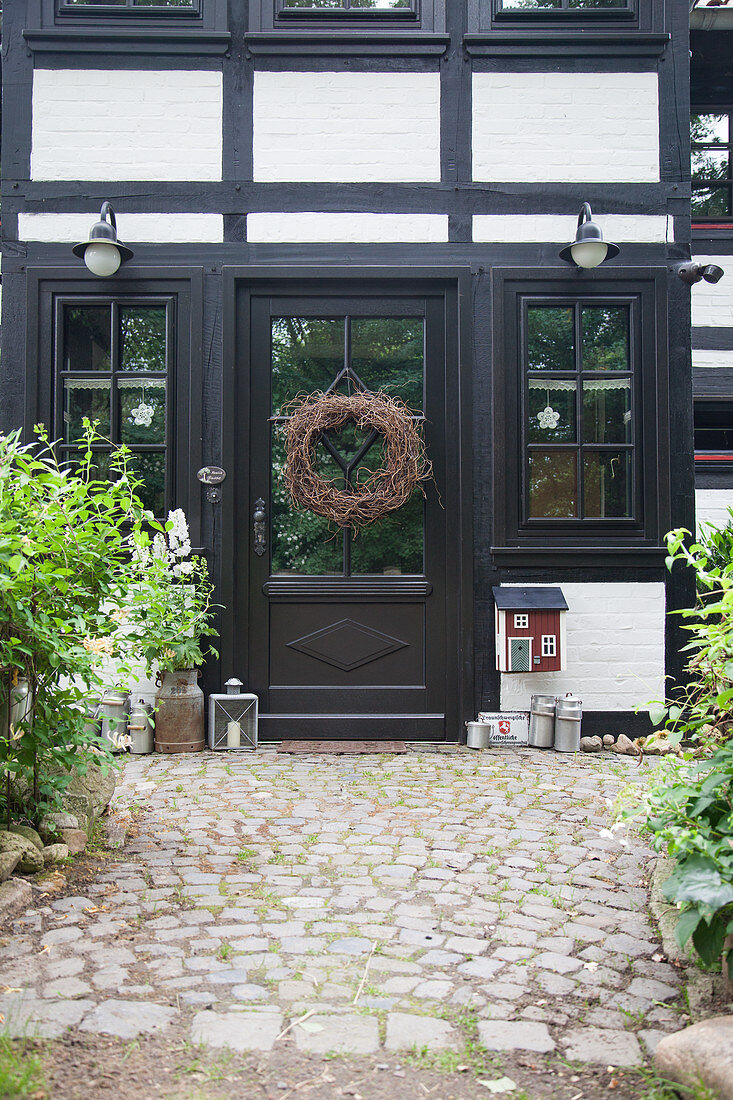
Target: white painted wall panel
[530,228]
[559,127]
[124,124]
[132,228]
[347,127]
[712,303]
[712,358]
[615,657]
[711,507]
[325,228]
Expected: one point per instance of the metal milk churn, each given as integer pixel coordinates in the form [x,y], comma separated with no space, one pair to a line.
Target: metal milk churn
[20,708]
[568,713]
[478,735]
[542,721]
[113,710]
[179,718]
[140,727]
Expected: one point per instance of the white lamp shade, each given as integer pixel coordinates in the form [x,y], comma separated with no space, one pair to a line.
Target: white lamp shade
[102,258]
[589,253]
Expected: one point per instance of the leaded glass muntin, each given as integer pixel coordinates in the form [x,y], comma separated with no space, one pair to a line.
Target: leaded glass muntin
[591,356]
[119,364]
[349,456]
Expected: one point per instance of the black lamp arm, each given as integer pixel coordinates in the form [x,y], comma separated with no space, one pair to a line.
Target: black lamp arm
[585,215]
[107,209]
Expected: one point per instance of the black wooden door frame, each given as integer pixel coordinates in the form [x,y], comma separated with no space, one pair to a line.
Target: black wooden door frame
[239,285]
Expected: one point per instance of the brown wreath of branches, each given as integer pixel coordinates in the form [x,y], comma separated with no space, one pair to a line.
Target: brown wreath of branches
[404,466]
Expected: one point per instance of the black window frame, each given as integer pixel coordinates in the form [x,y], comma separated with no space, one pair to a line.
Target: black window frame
[269,20]
[564,13]
[116,303]
[714,219]
[491,18]
[131,9]
[713,465]
[643,291]
[351,12]
[49,288]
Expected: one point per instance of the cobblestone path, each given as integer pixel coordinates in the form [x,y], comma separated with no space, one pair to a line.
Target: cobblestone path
[385,902]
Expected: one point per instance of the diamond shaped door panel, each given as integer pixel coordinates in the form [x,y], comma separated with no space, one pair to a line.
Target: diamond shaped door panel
[345,646]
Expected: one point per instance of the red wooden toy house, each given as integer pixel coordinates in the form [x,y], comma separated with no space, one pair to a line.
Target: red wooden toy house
[530,629]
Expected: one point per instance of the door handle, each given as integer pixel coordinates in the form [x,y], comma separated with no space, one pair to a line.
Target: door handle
[259,522]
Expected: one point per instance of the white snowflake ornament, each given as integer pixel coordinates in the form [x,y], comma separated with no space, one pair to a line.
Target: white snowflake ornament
[142,415]
[548,418]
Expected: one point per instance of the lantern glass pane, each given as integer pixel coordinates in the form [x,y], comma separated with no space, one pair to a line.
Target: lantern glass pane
[233,722]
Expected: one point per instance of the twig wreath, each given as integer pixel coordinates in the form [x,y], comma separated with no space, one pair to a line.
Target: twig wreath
[386,489]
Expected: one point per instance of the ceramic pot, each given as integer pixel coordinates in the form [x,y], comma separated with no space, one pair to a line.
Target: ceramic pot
[179,715]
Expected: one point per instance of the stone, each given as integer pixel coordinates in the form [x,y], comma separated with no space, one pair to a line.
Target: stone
[52,824]
[249,992]
[15,897]
[406,1031]
[128,1019]
[608,740]
[591,744]
[75,840]
[55,853]
[559,964]
[68,988]
[699,1055]
[515,1035]
[30,860]
[8,862]
[238,1030]
[607,1048]
[24,831]
[625,746]
[343,1034]
[480,968]
[651,990]
[27,1017]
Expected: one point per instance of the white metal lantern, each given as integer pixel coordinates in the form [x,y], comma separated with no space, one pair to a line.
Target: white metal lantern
[233,718]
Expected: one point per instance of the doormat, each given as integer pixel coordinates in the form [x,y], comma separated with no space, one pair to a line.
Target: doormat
[342,747]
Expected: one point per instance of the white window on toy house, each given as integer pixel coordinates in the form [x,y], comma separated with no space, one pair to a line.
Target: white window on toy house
[521,622]
[549,645]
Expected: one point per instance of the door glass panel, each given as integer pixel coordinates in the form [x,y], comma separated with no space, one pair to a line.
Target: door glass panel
[142,338]
[150,468]
[605,338]
[551,410]
[85,397]
[387,354]
[87,338]
[302,542]
[394,545]
[553,484]
[307,354]
[142,410]
[550,338]
[607,410]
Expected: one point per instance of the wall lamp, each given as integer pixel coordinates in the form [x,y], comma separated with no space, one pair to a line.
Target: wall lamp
[103,253]
[589,248]
[692,273]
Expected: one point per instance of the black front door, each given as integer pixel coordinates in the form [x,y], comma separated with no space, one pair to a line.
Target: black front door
[350,635]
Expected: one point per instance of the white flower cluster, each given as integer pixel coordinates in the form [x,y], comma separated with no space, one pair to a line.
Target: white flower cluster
[169,548]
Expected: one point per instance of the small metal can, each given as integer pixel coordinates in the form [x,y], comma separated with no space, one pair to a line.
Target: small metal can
[478,735]
[113,710]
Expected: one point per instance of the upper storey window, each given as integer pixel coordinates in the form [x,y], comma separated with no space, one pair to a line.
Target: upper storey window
[347,7]
[559,5]
[711,135]
[139,5]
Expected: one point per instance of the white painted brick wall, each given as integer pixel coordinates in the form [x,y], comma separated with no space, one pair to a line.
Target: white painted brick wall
[711,507]
[326,228]
[520,228]
[347,127]
[132,228]
[615,649]
[96,124]
[712,358]
[560,127]
[712,303]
